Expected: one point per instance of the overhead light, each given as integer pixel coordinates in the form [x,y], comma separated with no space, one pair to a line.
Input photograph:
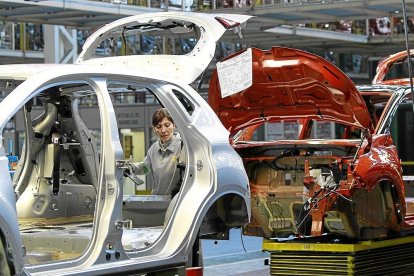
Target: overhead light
[397,12]
[318,33]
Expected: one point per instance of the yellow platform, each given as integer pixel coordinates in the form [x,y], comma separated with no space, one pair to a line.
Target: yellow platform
[312,257]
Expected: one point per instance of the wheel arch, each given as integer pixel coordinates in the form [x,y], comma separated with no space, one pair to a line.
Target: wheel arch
[11,248]
[228,210]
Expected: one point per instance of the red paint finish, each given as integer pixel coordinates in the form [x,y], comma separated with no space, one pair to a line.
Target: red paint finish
[384,67]
[290,84]
[194,271]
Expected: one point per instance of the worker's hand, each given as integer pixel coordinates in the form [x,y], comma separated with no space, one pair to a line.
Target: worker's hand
[131,168]
[138,168]
[130,173]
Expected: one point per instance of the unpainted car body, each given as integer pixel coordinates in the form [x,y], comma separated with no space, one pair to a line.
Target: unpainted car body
[332,167]
[68,191]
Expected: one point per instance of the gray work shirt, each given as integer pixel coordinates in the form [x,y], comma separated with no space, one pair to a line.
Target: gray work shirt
[161,164]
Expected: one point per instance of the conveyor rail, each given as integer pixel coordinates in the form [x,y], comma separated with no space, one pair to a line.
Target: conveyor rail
[314,257]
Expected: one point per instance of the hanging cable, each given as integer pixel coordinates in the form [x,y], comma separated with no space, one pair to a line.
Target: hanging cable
[124,49]
[407,46]
[242,241]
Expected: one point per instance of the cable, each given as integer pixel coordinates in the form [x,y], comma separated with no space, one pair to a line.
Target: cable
[241,238]
[342,196]
[410,75]
[124,41]
[303,220]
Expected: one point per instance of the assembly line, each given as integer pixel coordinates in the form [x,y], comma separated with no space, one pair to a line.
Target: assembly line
[284,148]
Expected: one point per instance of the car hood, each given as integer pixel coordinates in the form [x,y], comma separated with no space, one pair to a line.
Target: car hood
[186,67]
[290,84]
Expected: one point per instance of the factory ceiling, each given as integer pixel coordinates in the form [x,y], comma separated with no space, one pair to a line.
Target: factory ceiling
[281,22]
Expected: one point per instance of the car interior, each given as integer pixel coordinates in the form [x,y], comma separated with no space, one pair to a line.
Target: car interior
[57,177]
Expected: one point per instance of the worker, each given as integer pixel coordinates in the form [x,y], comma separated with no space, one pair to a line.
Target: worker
[163,161]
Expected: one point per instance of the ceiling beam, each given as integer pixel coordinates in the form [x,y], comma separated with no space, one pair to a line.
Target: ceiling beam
[317,33]
[369,13]
[315,15]
[27,11]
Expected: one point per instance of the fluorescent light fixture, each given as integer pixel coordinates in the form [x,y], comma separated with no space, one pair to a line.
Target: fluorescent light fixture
[317,33]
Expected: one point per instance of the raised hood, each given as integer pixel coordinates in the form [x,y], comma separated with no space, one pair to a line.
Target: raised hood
[290,84]
[187,67]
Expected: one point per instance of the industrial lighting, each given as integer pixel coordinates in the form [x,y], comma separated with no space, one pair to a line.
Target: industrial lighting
[317,33]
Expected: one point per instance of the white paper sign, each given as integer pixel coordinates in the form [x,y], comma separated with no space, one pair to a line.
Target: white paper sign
[235,74]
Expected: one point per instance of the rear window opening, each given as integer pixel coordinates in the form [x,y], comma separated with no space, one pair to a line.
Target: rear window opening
[168,37]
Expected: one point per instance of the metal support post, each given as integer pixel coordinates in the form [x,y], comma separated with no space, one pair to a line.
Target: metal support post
[60,44]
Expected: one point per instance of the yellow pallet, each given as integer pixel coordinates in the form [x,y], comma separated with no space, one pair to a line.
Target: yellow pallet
[312,257]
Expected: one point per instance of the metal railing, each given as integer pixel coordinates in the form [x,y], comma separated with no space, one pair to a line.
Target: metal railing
[21,36]
[11,37]
[29,37]
[200,5]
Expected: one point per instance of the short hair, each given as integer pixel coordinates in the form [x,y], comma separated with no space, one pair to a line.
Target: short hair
[159,115]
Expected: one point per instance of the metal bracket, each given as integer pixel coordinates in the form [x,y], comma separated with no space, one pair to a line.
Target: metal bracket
[199,165]
[123,224]
[67,145]
[56,138]
[122,164]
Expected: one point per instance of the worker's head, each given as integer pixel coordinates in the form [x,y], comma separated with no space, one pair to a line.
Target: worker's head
[163,124]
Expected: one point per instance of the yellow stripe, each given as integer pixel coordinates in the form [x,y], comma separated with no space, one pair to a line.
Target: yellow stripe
[271,245]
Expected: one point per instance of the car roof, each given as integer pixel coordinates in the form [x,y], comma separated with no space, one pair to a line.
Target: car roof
[31,79]
[385,65]
[24,71]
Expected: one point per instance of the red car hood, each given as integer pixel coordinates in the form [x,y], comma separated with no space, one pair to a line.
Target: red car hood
[290,84]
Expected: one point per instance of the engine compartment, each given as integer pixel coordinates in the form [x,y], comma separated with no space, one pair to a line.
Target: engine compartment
[280,177]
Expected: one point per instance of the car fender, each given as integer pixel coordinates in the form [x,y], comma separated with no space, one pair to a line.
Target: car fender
[9,226]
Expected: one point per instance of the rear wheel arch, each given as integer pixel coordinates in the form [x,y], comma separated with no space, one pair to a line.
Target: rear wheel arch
[395,202]
[378,212]
[228,211]
[6,257]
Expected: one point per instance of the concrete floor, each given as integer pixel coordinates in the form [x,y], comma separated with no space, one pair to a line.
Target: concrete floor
[244,264]
[230,258]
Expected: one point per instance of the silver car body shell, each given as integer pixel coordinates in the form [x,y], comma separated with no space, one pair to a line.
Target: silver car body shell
[221,172]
